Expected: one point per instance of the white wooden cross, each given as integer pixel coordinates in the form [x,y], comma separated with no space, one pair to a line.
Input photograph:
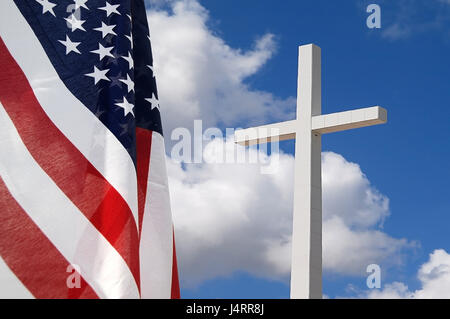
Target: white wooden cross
[307,129]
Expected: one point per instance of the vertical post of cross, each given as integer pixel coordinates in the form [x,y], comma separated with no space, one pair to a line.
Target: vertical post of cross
[306,268]
[306,129]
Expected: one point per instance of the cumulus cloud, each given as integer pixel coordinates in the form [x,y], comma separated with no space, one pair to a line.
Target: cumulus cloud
[434,276]
[353,216]
[198,73]
[348,251]
[230,217]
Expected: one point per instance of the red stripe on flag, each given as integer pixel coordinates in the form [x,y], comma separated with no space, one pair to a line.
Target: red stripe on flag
[32,257]
[64,163]
[143,149]
[175,282]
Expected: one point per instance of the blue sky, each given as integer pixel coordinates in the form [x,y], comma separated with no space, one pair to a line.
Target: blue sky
[404,67]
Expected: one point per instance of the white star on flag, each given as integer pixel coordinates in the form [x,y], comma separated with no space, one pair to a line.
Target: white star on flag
[129,59]
[98,75]
[80,3]
[153,101]
[106,29]
[153,70]
[110,9]
[129,83]
[127,107]
[70,46]
[102,51]
[75,23]
[47,6]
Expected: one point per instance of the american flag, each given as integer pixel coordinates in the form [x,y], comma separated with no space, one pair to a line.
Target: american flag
[84,200]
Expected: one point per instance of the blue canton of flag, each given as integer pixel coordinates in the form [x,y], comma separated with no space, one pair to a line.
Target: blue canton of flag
[102,52]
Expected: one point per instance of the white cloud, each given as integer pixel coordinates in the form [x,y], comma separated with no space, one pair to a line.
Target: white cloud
[353,215]
[348,252]
[230,217]
[434,276]
[345,180]
[199,76]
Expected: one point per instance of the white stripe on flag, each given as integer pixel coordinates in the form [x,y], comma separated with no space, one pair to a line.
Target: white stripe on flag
[60,220]
[74,120]
[156,247]
[10,286]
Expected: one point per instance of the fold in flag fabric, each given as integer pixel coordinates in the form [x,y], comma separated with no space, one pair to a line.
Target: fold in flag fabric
[84,199]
